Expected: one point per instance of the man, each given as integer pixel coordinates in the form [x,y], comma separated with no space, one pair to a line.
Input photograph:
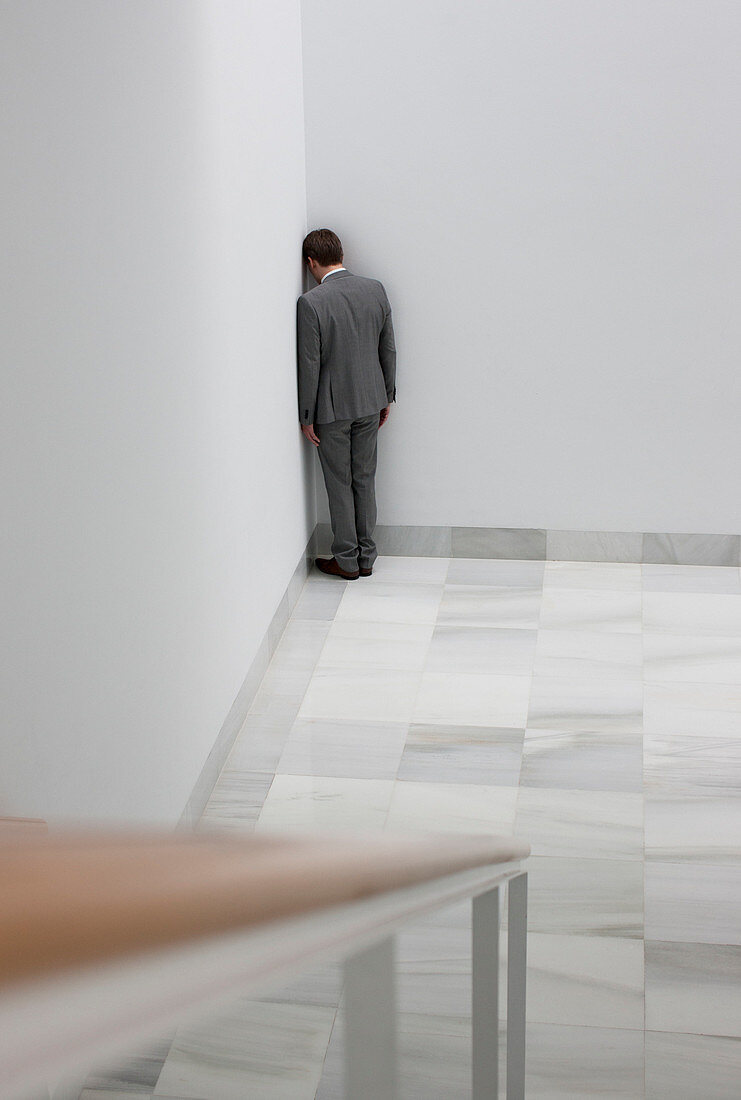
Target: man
[346,383]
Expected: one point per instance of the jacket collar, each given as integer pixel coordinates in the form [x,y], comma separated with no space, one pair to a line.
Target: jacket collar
[335,275]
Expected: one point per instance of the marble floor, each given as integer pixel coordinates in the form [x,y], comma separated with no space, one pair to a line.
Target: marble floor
[594,709]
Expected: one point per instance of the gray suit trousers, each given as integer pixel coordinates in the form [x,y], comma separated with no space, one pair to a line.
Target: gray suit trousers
[348,453]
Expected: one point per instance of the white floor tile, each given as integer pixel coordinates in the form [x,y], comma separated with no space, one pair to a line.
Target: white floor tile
[351,644]
[451,808]
[581,824]
[472,699]
[684,613]
[482,649]
[344,748]
[585,897]
[696,658]
[306,802]
[624,577]
[708,710]
[589,653]
[499,573]
[585,703]
[680,828]
[582,760]
[408,570]
[377,695]
[390,602]
[590,609]
[477,605]
[685,1067]
[696,766]
[691,578]
[696,902]
[591,981]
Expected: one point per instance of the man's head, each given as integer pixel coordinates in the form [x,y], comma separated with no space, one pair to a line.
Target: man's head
[322,251]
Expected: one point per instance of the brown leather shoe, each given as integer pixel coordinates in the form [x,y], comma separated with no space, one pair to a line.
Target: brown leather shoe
[366,572]
[332,569]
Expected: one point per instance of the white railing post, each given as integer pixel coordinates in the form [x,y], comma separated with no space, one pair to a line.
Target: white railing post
[370,1024]
[485,971]
[516,984]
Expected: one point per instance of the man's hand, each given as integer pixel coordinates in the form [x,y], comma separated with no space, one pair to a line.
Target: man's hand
[308,430]
[383,416]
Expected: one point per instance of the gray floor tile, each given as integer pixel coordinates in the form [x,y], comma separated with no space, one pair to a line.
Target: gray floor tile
[462,754]
[720,550]
[594,546]
[498,542]
[693,987]
[433,542]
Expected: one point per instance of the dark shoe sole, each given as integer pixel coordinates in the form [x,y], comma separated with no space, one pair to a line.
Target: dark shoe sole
[366,572]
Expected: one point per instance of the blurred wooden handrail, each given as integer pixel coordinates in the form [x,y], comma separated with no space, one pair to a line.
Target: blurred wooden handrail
[107,936]
[76,897]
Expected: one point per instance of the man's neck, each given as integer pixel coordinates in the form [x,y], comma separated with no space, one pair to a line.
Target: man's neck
[337,267]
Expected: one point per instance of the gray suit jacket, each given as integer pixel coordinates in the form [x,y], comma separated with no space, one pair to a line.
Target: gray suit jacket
[346,349]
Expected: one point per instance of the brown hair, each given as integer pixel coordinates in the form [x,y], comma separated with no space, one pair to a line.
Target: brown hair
[324,246]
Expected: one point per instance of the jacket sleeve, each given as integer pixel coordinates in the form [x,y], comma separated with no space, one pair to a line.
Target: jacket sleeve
[308,342]
[387,353]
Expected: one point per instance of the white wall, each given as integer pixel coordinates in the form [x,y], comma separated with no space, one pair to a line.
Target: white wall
[156,493]
[549,191]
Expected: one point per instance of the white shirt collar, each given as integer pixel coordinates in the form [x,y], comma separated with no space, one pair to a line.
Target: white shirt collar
[331,273]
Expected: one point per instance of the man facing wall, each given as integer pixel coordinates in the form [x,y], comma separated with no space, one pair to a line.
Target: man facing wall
[346,383]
